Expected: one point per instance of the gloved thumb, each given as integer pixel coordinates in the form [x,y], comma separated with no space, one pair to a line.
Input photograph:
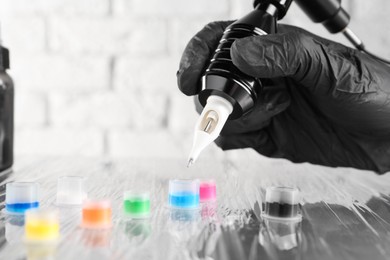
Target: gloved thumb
[272,56]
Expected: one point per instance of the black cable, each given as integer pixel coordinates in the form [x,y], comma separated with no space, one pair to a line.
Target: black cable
[358,44]
[363,49]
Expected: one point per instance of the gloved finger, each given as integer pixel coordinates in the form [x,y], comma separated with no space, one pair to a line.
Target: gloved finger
[285,28]
[197,55]
[350,87]
[270,103]
[258,140]
[297,54]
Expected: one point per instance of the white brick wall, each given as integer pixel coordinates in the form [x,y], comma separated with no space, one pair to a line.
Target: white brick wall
[169,8]
[108,36]
[52,72]
[152,74]
[145,144]
[59,141]
[30,109]
[33,38]
[182,114]
[55,7]
[108,110]
[98,77]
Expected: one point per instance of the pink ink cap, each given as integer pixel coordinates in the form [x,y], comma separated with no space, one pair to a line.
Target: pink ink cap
[207,190]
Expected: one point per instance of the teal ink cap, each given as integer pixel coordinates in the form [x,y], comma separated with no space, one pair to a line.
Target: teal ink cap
[183,194]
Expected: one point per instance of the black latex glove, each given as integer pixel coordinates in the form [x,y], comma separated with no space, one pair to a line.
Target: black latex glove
[328,104]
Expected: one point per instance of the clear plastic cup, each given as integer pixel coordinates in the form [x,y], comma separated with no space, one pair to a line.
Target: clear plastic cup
[184,194]
[42,225]
[96,214]
[71,190]
[21,196]
[282,202]
[136,205]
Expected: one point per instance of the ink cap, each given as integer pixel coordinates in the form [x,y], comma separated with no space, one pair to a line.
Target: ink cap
[136,205]
[96,214]
[42,226]
[21,196]
[207,191]
[71,191]
[184,194]
[282,203]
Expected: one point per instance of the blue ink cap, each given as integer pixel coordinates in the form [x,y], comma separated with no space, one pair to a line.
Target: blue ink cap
[184,194]
[21,196]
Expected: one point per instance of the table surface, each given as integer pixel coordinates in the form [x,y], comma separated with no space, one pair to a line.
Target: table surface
[346,212]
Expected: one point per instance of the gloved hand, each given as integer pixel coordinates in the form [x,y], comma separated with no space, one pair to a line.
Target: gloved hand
[327,104]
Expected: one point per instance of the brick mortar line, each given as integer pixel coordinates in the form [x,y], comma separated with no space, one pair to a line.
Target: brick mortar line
[111,73]
[168,108]
[106,143]
[47,110]
[110,11]
[47,28]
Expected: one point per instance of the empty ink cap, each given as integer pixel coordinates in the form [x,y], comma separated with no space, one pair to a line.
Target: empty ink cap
[96,214]
[136,205]
[207,190]
[71,190]
[184,194]
[21,196]
[41,225]
[282,202]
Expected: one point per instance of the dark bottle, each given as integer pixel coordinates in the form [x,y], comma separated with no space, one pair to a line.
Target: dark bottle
[6,112]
